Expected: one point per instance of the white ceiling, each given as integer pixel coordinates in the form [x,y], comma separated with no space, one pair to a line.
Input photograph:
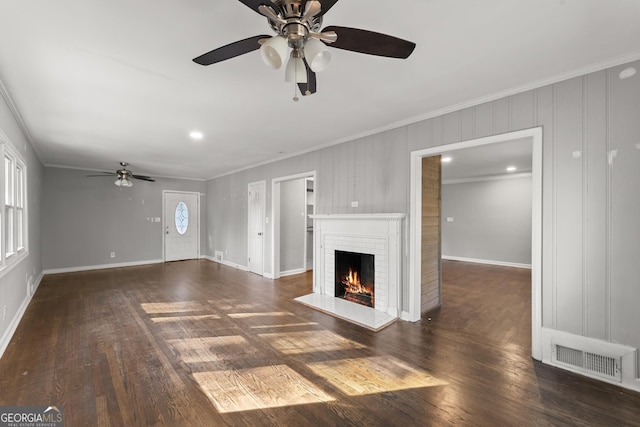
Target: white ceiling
[488,161]
[98,82]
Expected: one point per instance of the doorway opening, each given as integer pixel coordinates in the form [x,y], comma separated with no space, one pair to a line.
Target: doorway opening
[533,135]
[293,203]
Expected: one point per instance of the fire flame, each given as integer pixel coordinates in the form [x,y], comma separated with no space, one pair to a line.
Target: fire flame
[352,284]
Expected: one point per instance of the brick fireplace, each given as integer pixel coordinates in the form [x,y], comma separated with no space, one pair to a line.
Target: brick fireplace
[379,235]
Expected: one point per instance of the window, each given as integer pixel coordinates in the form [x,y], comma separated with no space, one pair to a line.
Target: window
[182,218]
[13,208]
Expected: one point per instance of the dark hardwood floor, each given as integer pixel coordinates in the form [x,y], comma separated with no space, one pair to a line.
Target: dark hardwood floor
[195,343]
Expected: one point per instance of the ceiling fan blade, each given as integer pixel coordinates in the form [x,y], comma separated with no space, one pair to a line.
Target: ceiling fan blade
[326,5]
[371,43]
[230,51]
[144,178]
[255,4]
[310,87]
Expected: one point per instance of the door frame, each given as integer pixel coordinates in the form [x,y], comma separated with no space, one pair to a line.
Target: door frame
[164,225]
[263,183]
[415,250]
[275,215]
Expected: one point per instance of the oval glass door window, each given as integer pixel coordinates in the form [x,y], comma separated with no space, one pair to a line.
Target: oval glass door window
[182,218]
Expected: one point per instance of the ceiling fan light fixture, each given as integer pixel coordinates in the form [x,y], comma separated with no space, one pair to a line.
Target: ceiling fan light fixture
[274,51]
[295,72]
[317,55]
[124,182]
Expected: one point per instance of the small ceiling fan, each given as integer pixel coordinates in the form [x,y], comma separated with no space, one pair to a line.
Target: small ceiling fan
[297,26]
[124,176]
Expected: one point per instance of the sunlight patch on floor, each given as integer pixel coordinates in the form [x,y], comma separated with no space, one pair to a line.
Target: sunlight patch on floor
[284,325]
[258,388]
[309,342]
[172,307]
[207,349]
[183,318]
[368,375]
[260,314]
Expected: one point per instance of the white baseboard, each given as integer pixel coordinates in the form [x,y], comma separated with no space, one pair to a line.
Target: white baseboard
[101,266]
[6,338]
[487,261]
[228,264]
[292,272]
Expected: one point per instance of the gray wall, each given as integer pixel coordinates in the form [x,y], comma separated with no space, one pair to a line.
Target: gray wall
[491,220]
[13,284]
[591,232]
[292,225]
[88,218]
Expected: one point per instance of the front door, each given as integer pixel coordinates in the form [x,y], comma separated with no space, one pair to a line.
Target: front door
[256,227]
[181,225]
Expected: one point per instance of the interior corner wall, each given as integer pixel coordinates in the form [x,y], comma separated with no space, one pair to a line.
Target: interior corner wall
[87,218]
[591,194]
[490,221]
[13,284]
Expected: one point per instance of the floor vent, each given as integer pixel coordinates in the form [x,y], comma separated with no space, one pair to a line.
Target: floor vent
[597,364]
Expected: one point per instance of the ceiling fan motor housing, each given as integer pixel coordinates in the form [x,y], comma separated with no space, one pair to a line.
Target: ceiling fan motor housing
[293,29]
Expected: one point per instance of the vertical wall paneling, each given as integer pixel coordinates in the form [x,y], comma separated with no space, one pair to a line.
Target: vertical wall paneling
[484,119]
[545,118]
[595,206]
[451,128]
[568,205]
[522,111]
[467,124]
[625,207]
[502,116]
[431,295]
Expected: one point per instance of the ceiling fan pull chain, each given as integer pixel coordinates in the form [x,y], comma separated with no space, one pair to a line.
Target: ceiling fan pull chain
[295,92]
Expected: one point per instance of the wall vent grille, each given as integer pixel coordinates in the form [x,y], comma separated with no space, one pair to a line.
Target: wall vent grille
[598,364]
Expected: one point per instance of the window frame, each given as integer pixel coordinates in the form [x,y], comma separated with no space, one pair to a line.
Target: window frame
[14,218]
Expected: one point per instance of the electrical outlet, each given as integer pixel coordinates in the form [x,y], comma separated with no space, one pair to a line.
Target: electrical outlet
[113,254]
[354,204]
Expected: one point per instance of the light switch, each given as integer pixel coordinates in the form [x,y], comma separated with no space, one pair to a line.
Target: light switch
[157,219]
[449,219]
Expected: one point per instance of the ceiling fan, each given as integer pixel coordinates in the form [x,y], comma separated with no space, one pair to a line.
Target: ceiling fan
[124,176]
[297,26]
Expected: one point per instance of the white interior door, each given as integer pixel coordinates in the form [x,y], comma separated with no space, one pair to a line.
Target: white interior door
[181,225]
[256,227]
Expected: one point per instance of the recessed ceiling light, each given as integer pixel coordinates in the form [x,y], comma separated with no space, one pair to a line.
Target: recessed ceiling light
[511,169]
[446,159]
[196,135]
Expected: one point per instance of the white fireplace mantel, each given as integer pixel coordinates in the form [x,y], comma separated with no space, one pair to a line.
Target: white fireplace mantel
[379,234]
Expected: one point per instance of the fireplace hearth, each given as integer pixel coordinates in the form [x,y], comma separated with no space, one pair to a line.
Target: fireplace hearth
[355,276]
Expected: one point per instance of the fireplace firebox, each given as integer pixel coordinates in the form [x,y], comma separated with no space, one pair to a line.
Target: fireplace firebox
[355,273]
